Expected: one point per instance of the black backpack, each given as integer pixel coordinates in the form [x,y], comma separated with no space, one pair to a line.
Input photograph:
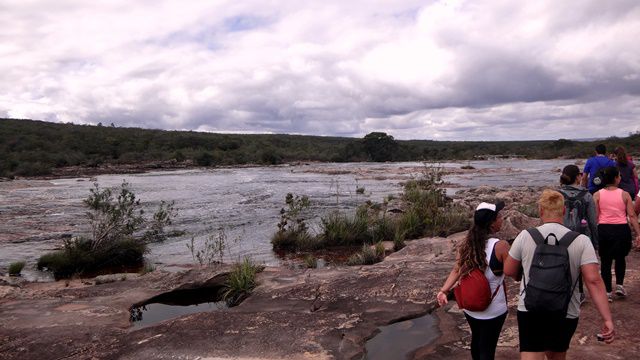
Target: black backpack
[550,286]
[576,211]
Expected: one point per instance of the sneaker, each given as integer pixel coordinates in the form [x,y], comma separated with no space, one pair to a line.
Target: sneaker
[583,297]
[620,291]
[610,297]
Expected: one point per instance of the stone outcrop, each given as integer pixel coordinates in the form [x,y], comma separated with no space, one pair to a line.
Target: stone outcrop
[326,313]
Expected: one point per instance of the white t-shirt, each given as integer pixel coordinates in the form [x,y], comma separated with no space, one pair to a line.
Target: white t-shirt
[581,252]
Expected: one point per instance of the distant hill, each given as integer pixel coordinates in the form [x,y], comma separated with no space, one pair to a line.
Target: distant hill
[32,148]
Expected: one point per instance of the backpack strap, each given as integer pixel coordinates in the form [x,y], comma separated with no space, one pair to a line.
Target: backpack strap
[565,241]
[578,196]
[495,292]
[568,238]
[538,239]
[536,235]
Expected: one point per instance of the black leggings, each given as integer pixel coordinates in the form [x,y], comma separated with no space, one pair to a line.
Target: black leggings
[605,270]
[615,244]
[484,336]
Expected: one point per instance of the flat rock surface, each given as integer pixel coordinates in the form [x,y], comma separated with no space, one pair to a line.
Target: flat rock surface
[326,313]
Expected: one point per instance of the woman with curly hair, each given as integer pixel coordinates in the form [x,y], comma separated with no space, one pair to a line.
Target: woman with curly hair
[480,251]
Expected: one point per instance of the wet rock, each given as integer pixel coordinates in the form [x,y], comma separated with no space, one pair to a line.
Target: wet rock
[109,278]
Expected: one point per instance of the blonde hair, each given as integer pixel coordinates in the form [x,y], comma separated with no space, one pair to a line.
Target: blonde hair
[552,202]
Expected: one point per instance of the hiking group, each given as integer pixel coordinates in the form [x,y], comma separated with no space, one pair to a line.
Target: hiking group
[590,212]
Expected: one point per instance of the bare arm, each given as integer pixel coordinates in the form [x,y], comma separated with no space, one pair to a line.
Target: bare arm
[502,250]
[597,291]
[631,213]
[592,216]
[453,277]
[511,267]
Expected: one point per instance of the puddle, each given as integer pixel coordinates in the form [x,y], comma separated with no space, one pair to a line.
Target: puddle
[174,304]
[397,341]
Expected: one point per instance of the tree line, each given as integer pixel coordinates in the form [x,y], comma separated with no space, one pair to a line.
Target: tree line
[32,148]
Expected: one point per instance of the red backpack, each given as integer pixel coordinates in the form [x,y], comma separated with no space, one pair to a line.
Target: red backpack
[473,292]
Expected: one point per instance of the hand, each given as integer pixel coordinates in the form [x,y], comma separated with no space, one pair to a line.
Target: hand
[442,298]
[608,332]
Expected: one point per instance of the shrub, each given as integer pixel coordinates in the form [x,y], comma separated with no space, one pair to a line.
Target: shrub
[295,241]
[379,249]
[398,241]
[118,239]
[270,157]
[293,233]
[451,220]
[383,229]
[78,257]
[204,158]
[341,230]
[15,268]
[430,211]
[310,262]
[147,268]
[367,256]
[241,281]
[212,250]
[410,225]
[161,218]
[360,190]
[32,169]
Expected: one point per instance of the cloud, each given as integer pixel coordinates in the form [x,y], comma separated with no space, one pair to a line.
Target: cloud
[472,70]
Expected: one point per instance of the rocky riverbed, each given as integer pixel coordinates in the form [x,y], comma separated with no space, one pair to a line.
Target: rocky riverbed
[328,313]
[36,215]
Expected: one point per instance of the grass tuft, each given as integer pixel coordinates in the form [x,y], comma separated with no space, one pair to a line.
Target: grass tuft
[15,268]
[241,282]
[367,256]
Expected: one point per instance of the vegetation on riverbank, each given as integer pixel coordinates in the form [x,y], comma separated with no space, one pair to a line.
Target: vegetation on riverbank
[428,212]
[15,268]
[241,281]
[33,148]
[119,235]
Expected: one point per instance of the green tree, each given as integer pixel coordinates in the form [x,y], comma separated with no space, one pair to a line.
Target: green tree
[380,146]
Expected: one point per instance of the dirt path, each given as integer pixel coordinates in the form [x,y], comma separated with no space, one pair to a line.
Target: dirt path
[454,344]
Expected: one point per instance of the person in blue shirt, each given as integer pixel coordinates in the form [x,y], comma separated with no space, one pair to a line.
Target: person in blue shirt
[595,163]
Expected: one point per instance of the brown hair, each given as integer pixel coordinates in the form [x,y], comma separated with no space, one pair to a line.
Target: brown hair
[552,202]
[569,175]
[621,155]
[471,254]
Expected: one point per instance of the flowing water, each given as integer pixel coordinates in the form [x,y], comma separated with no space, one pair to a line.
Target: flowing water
[36,215]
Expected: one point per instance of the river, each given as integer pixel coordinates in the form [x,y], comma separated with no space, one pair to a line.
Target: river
[35,215]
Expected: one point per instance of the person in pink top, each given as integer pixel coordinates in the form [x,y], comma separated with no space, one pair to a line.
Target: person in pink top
[615,213]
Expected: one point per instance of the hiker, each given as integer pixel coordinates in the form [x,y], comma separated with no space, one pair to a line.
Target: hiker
[547,318]
[595,163]
[580,210]
[628,174]
[614,206]
[479,251]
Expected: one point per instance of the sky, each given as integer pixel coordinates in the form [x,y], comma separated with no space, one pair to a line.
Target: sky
[441,70]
